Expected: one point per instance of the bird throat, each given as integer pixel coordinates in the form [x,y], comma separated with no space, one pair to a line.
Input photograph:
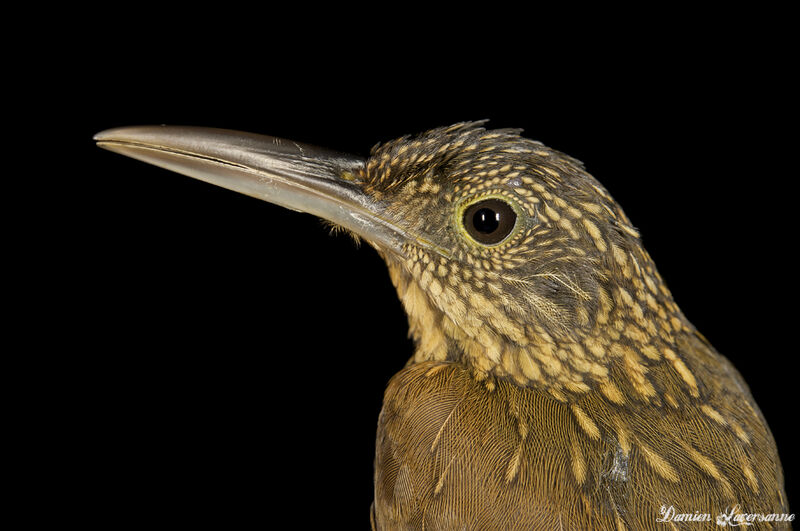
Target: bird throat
[631,337]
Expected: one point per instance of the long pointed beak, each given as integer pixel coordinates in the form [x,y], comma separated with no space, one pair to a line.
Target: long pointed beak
[296,176]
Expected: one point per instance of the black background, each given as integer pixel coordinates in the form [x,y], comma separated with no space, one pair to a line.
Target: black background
[228,357]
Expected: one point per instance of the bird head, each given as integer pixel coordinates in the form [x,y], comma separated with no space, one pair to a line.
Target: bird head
[507,255]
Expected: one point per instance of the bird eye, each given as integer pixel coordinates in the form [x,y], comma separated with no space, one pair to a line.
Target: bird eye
[489,221]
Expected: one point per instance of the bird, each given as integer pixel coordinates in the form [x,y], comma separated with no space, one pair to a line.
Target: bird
[554,382]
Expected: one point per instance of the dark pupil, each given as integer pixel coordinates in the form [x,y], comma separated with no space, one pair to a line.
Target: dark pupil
[486,220]
[489,221]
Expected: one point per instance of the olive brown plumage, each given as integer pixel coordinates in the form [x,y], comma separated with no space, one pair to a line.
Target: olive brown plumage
[555,382]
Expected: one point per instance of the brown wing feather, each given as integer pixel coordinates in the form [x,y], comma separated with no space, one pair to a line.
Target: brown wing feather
[453,454]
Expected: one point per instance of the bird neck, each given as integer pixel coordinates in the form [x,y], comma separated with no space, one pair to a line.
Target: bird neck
[637,330]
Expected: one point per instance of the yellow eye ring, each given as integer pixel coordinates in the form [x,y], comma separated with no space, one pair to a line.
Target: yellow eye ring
[489,220]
